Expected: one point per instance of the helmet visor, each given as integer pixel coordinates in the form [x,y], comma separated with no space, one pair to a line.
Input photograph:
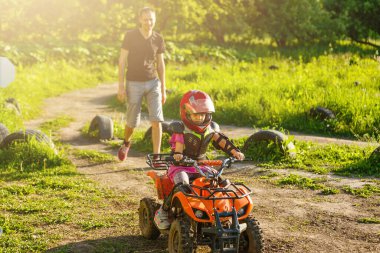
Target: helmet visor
[200,105]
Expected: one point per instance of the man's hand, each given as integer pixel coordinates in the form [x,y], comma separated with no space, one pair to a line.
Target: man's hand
[163,95]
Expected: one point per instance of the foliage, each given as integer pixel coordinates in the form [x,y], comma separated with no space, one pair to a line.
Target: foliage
[329,191]
[290,21]
[30,156]
[366,191]
[252,94]
[263,151]
[37,30]
[369,220]
[301,182]
[358,18]
[37,82]
[348,160]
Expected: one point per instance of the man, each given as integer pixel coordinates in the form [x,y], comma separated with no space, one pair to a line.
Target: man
[142,55]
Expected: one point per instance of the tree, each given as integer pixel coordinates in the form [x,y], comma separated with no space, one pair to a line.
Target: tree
[291,21]
[224,17]
[361,18]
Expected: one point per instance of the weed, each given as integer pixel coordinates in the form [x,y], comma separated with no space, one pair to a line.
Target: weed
[330,191]
[301,182]
[94,156]
[56,124]
[369,220]
[30,156]
[366,191]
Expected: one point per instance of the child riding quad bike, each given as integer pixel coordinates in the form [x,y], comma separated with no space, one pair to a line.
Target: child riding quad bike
[211,211]
[199,207]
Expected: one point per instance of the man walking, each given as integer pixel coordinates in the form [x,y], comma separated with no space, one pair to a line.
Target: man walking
[142,55]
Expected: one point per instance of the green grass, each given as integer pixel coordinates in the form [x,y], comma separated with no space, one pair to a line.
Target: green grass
[366,191]
[43,198]
[57,123]
[30,156]
[94,156]
[35,83]
[346,160]
[301,182]
[40,207]
[369,220]
[329,191]
[250,94]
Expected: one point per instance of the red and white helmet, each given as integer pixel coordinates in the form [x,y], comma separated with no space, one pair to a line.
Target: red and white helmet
[196,101]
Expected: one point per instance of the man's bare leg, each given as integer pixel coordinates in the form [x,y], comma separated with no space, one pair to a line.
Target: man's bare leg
[128,131]
[156,136]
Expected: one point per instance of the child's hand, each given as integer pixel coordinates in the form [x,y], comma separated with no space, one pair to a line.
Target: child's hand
[239,155]
[178,157]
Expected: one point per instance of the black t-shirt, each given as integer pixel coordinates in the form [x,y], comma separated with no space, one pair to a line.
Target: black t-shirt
[142,54]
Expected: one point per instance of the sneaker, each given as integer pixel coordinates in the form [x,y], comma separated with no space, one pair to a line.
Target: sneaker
[123,151]
[161,219]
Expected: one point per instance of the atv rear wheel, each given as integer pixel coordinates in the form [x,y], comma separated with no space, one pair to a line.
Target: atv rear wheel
[181,236]
[251,240]
[147,210]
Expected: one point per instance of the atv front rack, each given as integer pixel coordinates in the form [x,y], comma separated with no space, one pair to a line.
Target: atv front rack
[230,193]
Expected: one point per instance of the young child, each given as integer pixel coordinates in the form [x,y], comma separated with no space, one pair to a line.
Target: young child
[191,138]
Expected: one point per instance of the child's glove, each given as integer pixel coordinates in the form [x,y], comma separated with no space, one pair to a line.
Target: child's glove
[239,155]
[178,157]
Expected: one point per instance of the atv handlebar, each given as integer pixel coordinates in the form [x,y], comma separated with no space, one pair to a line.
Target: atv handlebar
[163,161]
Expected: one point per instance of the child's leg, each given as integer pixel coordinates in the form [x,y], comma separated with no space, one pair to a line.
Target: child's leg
[181,177]
[161,219]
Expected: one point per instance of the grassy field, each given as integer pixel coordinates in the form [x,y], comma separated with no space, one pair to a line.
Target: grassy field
[40,208]
[43,198]
[281,96]
[35,83]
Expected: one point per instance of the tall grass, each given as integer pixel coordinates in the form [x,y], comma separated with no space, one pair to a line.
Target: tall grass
[35,83]
[256,94]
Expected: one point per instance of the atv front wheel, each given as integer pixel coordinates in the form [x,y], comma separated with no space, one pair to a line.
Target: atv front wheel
[181,237]
[147,210]
[251,240]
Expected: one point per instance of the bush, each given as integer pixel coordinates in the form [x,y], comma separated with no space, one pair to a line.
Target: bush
[30,156]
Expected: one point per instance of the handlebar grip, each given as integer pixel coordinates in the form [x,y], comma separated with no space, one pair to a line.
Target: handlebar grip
[211,162]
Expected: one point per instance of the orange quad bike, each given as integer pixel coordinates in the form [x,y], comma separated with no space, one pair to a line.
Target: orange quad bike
[212,211]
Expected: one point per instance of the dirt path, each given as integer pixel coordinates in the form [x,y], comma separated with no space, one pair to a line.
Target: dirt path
[293,220]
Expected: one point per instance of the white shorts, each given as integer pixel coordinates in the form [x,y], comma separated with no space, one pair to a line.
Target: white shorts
[136,91]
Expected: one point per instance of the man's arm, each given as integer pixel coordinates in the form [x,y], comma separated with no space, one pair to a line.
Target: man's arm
[121,94]
[161,75]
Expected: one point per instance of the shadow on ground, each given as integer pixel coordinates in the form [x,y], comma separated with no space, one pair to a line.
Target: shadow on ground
[121,244]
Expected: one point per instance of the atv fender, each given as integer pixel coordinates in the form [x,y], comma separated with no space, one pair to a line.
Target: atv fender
[162,183]
[188,209]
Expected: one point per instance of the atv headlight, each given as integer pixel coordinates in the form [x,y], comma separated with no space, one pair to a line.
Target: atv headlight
[200,214]
[242,210]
